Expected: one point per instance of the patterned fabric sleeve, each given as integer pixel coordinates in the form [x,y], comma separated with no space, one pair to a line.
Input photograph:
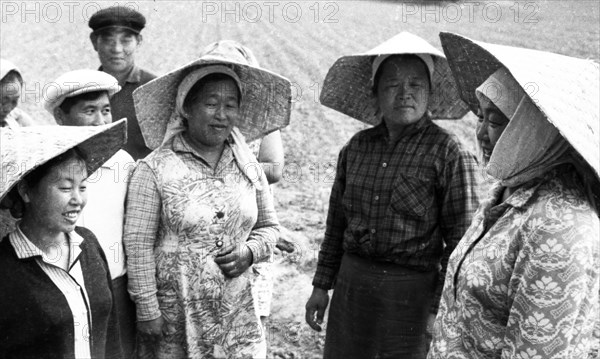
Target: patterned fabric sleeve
[554,273]
[330,255]
[460,200]
[141,227]
[264,235]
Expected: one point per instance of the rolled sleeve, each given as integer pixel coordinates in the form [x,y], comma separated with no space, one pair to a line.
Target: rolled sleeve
[264,235]
[141,227]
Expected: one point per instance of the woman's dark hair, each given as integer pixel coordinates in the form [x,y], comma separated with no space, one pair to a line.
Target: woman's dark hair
[11,76]
[408,56]
[194,92]
[34,177]
[69,102]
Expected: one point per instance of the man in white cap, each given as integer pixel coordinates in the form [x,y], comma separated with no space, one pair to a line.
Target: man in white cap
[82,98]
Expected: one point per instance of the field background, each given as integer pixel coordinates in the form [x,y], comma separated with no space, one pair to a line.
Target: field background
[299,40]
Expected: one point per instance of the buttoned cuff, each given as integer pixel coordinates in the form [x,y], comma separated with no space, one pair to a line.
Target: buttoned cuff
[147,309]
[258,255]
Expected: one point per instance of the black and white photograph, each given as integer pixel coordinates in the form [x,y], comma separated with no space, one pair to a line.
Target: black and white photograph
[237,179]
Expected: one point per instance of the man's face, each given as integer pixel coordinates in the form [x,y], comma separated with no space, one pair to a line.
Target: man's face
[88,113]
[116,49]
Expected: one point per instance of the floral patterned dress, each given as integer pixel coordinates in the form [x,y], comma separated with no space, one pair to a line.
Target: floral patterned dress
[523,282]
[208,315]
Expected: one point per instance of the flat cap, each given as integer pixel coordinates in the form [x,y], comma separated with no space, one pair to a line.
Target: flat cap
[77,82]
[117,16]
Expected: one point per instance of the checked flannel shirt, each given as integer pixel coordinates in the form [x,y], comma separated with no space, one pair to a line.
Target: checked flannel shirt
[408,202]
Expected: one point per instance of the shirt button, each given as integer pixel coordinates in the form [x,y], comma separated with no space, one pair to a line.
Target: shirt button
[373,230]
[377,198]
[384,165]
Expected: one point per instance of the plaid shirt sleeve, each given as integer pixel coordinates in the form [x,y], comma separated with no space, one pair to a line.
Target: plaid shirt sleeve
[141,227]
[330,255]
[264,235]
[460,201]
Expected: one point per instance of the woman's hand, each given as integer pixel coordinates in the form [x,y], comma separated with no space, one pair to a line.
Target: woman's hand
[234,259]
[152,329]
[315,307]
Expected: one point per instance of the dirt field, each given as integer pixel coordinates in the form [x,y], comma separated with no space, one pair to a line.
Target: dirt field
[299,40]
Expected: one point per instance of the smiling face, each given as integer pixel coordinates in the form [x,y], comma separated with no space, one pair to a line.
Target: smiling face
[86,111]
[402,90]
[10,92]
[55,202]
[116,49]
[491,123]
[212,111]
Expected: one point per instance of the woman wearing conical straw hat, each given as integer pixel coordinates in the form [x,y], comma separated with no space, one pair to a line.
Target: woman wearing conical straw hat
[199,209]
[523,282]
[57,299]
[404,190]
[269,154]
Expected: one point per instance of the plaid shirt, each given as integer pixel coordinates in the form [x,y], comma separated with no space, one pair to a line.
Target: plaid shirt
[144,216]
[399,202]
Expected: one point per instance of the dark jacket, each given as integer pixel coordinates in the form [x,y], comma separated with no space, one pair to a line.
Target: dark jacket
[35,319]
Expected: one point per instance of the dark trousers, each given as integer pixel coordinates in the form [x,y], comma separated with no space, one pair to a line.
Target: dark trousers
[126,314]
[378,310]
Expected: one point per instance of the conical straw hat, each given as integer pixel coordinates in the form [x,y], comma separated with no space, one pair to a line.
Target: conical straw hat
[26,148]
[348,88]
[565,89]
[265,107]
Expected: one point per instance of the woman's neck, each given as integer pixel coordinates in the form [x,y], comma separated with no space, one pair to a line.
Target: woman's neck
[211,154]
[41,237]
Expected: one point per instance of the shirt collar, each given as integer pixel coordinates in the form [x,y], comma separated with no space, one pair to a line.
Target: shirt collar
[519,198]
[381,129]
[24,248]
[10,121]
[180,144]
[134,76]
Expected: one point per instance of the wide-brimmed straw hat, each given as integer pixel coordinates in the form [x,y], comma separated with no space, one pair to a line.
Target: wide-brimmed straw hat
[565,89]
[348,86]
[26,148]
[265,105]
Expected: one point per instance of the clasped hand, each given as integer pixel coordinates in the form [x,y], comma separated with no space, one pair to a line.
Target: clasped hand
[234,259]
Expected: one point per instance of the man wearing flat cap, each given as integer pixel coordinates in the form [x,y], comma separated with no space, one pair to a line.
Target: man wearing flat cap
[116,37]
[82,98]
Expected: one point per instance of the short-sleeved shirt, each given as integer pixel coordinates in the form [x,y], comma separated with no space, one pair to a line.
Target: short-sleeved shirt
[105,208]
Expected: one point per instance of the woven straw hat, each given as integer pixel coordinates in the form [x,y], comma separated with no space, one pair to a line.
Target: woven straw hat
[565,89]
[348,86]
[265,106]
[26,148]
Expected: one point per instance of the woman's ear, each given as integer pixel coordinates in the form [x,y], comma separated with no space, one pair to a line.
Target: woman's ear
[59,115]
[23,190]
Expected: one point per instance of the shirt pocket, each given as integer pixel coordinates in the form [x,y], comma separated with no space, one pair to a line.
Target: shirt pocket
[412,196]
